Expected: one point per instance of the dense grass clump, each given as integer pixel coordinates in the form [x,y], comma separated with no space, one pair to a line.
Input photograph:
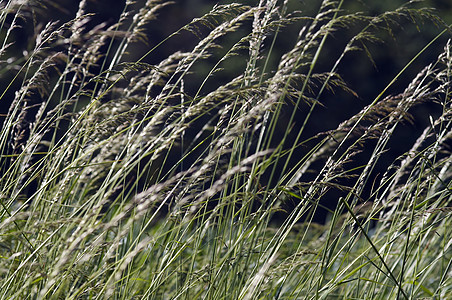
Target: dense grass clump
[199,176]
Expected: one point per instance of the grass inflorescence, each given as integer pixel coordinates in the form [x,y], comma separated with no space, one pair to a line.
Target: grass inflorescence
[200,176]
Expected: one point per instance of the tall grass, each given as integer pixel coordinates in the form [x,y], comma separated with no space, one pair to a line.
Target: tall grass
[126,180]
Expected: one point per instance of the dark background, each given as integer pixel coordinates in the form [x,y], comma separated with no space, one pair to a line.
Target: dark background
[364,77]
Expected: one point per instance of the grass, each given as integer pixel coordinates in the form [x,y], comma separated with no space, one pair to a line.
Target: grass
[129,180]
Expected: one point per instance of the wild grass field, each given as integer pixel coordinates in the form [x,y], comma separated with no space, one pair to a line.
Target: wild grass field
[201,176]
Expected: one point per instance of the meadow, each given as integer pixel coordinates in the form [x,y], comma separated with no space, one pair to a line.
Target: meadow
[207,174]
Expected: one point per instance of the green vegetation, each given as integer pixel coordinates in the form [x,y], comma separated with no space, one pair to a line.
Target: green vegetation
[129,180]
